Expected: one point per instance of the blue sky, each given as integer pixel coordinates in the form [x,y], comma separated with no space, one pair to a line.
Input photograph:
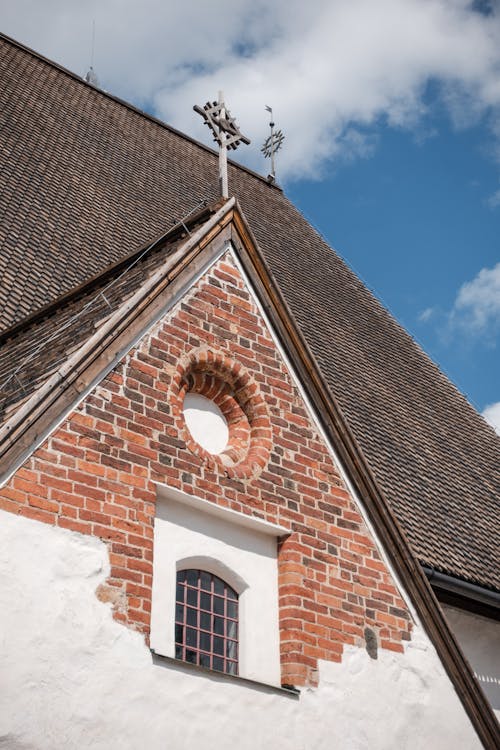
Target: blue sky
[391,112]
[414,220]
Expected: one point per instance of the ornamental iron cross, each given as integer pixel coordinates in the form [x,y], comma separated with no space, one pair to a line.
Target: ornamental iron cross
[225,132]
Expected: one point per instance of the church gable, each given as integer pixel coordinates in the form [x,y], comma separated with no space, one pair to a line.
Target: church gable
[201,451]
[99,471]
[230,535]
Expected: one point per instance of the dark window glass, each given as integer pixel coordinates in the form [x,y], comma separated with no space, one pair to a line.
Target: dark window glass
[218,664]
[205,661]
[205,581]
[192,616]
[190,656]
[192,577]
[206,632]
[205,641]
[179,592]
[205,601]
[218,605]
[218,645]
[205,621]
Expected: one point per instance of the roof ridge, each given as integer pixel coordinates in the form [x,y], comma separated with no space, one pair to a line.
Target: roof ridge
[133,108]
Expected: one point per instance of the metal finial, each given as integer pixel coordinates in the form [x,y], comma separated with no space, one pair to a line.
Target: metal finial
[91,77]
[272,144]
[225,132]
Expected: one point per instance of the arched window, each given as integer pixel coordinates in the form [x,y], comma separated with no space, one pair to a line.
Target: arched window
[206,621]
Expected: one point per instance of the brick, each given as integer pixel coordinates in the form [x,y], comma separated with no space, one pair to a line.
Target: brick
[9,505]
[69,523]
[95,476]
[37,514]
[13,495]
[39,502]
[30,487]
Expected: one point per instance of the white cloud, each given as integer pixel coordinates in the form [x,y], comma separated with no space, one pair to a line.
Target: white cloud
[494,200]
[426,315]
[477,305]
[331,69]
[492,415]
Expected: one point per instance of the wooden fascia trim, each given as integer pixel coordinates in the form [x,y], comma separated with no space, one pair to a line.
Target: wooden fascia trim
[375,503]
[30,424]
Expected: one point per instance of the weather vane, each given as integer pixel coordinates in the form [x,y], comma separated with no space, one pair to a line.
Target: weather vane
[272,144]
[226,133]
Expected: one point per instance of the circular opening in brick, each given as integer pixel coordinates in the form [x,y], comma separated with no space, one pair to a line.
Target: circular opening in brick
[206,423]
[208,376]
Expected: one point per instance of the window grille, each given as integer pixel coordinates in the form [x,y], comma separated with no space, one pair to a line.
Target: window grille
[206,621]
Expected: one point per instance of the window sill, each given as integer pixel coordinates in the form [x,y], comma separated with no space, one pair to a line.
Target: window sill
[289,691]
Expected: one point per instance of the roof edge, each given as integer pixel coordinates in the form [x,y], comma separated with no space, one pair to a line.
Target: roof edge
[452,590]
[377,507]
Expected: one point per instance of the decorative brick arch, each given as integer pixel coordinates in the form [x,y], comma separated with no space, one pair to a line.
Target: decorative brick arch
[232,388]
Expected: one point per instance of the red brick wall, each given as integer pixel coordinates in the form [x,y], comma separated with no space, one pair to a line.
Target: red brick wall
[96,475]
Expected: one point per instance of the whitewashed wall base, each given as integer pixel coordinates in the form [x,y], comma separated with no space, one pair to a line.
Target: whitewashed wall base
[74,679]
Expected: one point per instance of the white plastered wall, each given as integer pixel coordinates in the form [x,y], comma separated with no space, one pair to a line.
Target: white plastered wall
[71,677]
[245,556]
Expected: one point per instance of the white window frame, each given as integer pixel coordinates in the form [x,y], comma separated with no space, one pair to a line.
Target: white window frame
[242,550]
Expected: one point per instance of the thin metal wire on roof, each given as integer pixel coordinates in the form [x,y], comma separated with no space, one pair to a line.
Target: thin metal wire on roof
[51,340]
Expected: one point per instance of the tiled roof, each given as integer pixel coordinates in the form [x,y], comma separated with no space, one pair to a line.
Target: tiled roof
[86,180]
[43,342]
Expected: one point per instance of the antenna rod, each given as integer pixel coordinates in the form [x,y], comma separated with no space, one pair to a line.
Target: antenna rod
[93,45]
[223,181]
[90,75]
[271,125]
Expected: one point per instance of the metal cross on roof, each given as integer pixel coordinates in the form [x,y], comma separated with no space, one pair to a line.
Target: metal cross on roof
[226,133]
[272,144]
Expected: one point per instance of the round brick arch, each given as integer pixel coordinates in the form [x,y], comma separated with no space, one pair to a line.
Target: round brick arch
[232,388]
